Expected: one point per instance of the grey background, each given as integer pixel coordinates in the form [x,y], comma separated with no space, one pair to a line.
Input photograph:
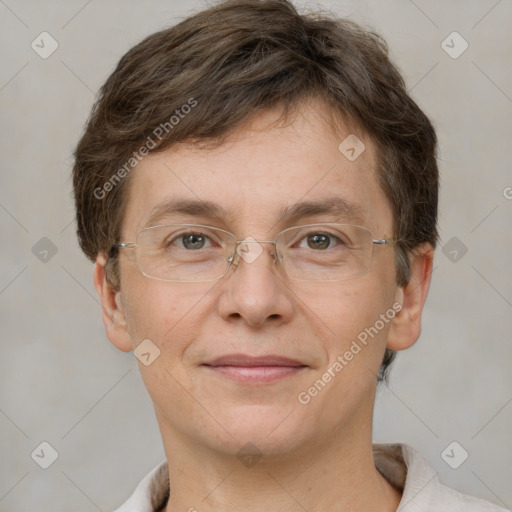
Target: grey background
[62,381]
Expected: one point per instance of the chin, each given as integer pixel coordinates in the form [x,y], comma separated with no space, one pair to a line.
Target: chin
[264,429]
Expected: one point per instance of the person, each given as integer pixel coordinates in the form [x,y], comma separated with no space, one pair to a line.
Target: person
[258,194]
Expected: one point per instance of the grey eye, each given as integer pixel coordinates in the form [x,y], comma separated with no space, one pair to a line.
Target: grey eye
[193,241]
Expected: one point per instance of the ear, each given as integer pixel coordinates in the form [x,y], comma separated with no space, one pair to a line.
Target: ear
[406,325]
[113,312]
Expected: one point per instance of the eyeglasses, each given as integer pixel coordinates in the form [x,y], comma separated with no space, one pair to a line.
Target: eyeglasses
[199,253]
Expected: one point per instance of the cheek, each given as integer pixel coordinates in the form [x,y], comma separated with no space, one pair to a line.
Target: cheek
[148,311]
[352,319]
[166,313]
[158,312]
[352,334]
[344,309]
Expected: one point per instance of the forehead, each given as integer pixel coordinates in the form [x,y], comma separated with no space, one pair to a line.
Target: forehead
[263,176]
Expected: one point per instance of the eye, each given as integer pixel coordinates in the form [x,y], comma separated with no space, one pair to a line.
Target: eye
[320,241]
[190,241]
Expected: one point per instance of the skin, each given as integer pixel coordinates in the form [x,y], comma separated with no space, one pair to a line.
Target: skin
[314,457]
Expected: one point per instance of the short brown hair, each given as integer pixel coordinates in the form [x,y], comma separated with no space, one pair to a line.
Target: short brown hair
[230,62]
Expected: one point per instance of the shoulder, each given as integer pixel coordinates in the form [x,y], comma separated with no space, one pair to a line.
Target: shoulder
[448,500]
[424,492]
[152,492]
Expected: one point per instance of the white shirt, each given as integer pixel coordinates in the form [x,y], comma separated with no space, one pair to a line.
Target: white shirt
[401,465]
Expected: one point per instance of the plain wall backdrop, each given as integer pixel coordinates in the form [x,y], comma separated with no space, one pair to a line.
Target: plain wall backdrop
[63,383]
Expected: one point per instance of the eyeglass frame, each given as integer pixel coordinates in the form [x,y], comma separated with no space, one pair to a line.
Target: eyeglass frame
[233,261]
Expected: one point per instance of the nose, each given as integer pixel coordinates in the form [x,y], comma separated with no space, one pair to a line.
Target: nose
[254,290]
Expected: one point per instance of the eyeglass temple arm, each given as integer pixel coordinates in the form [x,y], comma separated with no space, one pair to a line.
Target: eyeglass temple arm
[386,241]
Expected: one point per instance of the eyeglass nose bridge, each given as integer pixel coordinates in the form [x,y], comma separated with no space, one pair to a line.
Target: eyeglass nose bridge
[248,255]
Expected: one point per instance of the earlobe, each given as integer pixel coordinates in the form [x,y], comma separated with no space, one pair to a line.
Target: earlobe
[113,314]
[406,325]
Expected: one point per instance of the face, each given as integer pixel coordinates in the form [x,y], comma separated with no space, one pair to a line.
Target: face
[255,310]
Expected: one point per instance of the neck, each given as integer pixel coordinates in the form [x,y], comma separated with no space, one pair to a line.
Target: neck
[337,475]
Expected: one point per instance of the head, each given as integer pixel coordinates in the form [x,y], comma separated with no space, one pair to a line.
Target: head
[245,105]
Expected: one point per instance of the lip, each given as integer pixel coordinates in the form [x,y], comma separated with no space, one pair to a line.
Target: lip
[255,370]
[247,361]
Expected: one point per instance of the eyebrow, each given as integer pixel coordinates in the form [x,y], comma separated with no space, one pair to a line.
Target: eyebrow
[339,208]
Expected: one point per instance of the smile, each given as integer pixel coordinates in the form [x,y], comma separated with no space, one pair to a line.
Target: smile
[255,370]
